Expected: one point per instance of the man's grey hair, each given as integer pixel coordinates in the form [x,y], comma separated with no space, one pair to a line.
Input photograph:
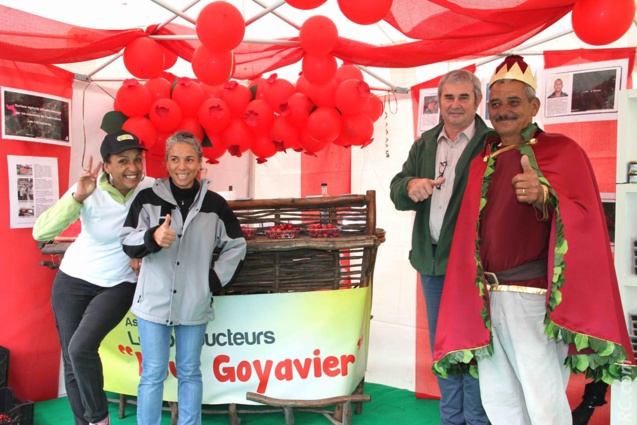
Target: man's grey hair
[184,137]
[461,76]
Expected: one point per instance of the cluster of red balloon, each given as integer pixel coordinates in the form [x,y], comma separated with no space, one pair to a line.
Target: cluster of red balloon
[328,104]
[267,116]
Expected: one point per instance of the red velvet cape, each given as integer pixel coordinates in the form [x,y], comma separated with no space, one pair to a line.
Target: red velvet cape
[582,288]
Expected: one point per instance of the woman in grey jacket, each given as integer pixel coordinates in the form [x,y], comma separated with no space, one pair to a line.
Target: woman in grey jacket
[175,226]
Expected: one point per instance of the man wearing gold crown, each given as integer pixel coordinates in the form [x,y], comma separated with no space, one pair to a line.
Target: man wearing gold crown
[530,293]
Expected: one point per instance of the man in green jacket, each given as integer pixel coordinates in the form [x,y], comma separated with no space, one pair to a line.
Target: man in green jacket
[432,182]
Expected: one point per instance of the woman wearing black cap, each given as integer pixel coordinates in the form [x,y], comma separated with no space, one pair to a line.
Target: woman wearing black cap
[95,283]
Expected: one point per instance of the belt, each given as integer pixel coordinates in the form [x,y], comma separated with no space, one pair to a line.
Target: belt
[496,281]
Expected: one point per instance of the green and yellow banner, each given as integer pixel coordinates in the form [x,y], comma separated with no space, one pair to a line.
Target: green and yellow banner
[308,345]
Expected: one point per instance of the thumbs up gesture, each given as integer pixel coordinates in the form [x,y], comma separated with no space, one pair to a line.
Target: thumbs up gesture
[527,184]
[164,235]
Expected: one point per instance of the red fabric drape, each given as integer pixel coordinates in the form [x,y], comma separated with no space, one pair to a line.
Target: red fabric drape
[597,138]
[442,30]
[28,329]
[426,383]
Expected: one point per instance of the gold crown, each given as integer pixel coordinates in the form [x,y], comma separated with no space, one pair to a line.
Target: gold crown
[514,68]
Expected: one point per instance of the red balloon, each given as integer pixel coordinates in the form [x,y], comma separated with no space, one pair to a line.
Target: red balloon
[237,96]
[237,137]
[365,12]
[343,141]
[297,109]
[602,22]
[318,69]
[323,95]
[258,116]
[212,91]
[191,125]
[310,145]
[220,26]
[277,92]
[351,96]
[305,4]
[284,134]
[212,67]
[165,114]
[133,98]
[301,83]
[324,124]
[348,72]
[159,88]
[144,57]
[170,58]
[143,129]
[359,129]
[213,148]
[318,35]
[263,147]
[214,115]
[374,108]
[189,95]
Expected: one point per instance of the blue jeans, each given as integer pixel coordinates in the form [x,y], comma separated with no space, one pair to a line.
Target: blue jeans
[155,342]
[84,315]
[460,395]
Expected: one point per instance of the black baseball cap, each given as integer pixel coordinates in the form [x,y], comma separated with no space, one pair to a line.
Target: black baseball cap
[118,142]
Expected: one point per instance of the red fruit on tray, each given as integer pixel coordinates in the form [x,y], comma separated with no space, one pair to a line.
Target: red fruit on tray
[283,231]
[248,232]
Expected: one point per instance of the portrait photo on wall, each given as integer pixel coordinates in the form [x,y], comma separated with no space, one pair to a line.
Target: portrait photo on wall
[429,108]
[35,117]
[584,92]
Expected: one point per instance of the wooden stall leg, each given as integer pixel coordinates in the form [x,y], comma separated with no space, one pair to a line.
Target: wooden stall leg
[347,413]
[289,415]
[232,411]
[122,406]
[338,413]
[174,412]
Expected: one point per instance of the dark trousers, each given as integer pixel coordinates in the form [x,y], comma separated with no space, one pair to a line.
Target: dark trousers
[84,315]
[460,401]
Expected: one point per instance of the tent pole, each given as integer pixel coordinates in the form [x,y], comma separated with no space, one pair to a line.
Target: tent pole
[169,20]
[245,40]
[265,11]
[393,88]
[175,11]
[277,14]
[523,48]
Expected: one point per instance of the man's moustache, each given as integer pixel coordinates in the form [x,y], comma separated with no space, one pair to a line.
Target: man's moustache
[499,118]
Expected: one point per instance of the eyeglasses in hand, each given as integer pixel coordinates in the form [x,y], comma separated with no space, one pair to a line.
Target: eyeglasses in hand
[441,172]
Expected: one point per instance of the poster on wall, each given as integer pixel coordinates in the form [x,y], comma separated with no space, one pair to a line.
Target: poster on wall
[584,92]
[428,109]
[35,117]
[33,188]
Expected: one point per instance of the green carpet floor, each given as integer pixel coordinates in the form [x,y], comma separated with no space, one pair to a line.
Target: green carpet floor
[388,406]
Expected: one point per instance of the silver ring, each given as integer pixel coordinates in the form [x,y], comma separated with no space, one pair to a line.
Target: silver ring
[523,191]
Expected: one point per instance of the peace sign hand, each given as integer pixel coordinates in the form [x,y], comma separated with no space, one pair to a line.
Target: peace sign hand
[87,182]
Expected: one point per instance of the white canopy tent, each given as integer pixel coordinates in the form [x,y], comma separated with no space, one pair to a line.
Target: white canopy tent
[392,347]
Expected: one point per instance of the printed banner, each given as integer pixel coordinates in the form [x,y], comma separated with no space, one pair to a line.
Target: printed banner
[308,345]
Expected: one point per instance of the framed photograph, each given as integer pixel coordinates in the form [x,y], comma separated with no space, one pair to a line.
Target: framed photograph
[35,117]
